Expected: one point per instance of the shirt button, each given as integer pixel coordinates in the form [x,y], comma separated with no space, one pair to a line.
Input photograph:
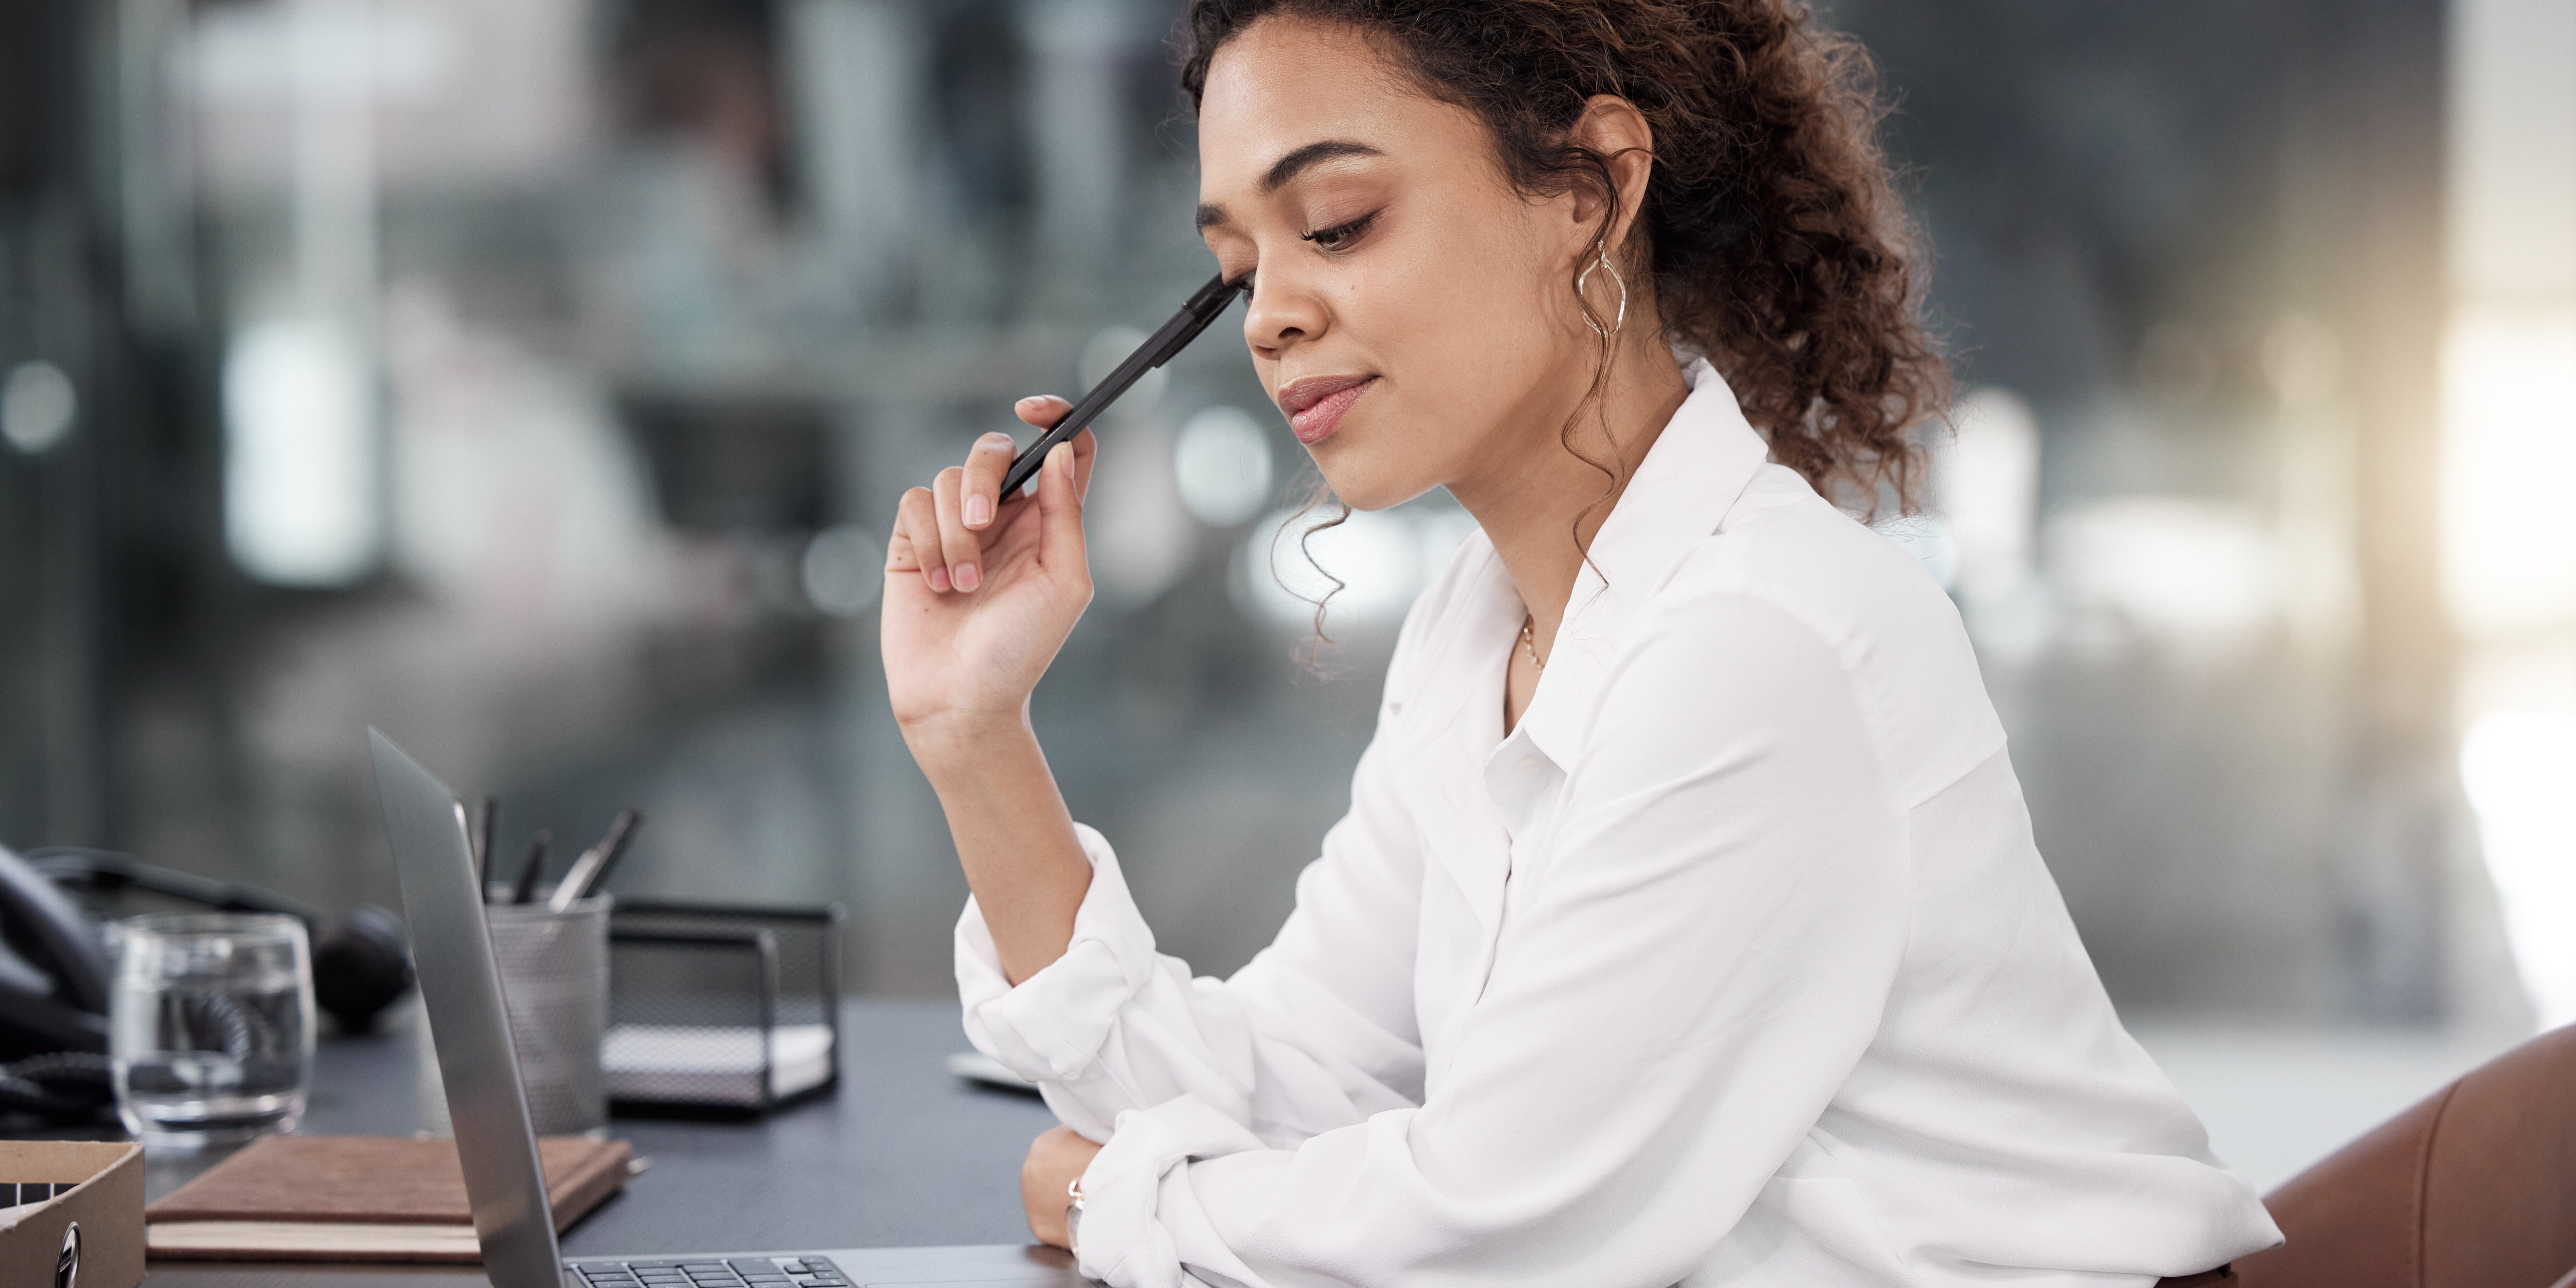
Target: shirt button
[1529,767]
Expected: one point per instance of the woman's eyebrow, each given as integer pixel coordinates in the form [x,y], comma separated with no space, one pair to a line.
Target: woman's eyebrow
[1287,167]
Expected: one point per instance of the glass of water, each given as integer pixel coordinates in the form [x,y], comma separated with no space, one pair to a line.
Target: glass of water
[210,1026]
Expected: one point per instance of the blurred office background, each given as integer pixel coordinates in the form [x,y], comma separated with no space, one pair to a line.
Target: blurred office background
[535,379]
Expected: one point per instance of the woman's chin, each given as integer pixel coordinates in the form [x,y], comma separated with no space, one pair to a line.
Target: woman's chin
[1372,489]
[1380,462]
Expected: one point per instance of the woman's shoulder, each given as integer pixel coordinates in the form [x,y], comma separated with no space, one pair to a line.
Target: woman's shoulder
[1892,629]
[1783,543]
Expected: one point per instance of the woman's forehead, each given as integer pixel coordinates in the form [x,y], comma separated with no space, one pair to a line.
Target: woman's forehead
[1288,85]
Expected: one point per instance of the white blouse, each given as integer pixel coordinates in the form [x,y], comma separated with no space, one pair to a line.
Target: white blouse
[1734,963]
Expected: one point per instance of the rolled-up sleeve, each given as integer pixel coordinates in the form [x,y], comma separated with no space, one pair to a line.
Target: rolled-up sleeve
[1675,996]
[1316,1032]
[1051,1028]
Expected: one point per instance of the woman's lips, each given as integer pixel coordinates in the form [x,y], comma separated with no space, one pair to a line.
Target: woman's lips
[1315,405]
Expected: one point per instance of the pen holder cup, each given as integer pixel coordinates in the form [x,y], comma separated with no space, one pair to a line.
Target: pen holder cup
[554,985]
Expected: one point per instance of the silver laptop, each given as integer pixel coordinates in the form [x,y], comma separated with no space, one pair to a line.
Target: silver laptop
[426,825]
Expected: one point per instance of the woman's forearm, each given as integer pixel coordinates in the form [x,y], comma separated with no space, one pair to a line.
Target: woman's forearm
[1013,836]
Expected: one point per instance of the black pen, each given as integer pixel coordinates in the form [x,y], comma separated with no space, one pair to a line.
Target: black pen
[1157,349]
[593,865]
[526,890]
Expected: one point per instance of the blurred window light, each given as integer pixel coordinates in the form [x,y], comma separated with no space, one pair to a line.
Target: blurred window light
[271,52]
[1985,484]
[858,88]
[1222,464]
[301,492]
[843,571]
[463,94]
[2317,507]
[2519,771]
[1379,556]
[2196,571]
[38,407]
[2509,448]
[2511,163]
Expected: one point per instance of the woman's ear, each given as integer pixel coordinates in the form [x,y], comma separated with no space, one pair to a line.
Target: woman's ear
[1614,129]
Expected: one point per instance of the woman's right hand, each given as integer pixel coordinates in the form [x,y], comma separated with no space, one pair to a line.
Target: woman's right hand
[981,591]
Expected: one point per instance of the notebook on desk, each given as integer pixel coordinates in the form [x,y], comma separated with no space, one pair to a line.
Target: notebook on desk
[359,1198]
[426,825]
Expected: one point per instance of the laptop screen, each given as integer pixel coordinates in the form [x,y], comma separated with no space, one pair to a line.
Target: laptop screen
[452,950]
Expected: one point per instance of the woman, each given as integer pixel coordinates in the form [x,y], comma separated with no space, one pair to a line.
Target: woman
[1686,925]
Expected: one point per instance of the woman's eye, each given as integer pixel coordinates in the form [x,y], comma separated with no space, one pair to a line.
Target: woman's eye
[1340,235]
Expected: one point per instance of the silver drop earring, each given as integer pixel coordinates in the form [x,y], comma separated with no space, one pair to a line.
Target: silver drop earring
[1586,276]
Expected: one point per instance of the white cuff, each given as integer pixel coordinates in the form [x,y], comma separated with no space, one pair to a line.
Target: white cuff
[1124,1241]
[1052,1025]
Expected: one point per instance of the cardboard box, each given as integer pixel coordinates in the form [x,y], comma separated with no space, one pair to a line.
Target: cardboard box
[106,1200]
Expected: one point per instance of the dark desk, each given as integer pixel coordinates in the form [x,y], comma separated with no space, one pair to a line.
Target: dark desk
[901,1155]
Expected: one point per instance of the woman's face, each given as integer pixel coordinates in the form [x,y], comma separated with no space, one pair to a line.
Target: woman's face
[1410,311]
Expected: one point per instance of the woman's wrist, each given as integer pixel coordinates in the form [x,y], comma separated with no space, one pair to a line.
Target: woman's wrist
[1050,1182]
[1016,842]
[965,737]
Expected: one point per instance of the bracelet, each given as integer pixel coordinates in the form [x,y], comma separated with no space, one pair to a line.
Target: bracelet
[1073,1216]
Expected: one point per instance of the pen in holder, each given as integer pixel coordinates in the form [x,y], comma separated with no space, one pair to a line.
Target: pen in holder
[554,985]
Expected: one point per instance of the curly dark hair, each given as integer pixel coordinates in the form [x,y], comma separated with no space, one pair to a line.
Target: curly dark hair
[1771,227]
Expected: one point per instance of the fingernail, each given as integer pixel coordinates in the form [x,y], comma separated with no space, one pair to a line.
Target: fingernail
[979,511]
[1063,455]
[938,578]
[968,577]
[1031,401]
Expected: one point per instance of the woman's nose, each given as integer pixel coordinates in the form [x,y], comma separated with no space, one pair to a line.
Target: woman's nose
[1279,316]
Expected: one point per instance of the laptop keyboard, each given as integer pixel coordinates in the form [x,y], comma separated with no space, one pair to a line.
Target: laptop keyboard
[737,1272]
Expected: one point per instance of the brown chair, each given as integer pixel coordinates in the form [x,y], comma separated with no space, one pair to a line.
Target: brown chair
[2473,1188]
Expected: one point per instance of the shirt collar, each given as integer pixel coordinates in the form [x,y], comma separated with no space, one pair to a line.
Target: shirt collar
[1704,459]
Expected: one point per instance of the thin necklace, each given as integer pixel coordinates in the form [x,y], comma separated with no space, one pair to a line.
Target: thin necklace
[1530,643]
